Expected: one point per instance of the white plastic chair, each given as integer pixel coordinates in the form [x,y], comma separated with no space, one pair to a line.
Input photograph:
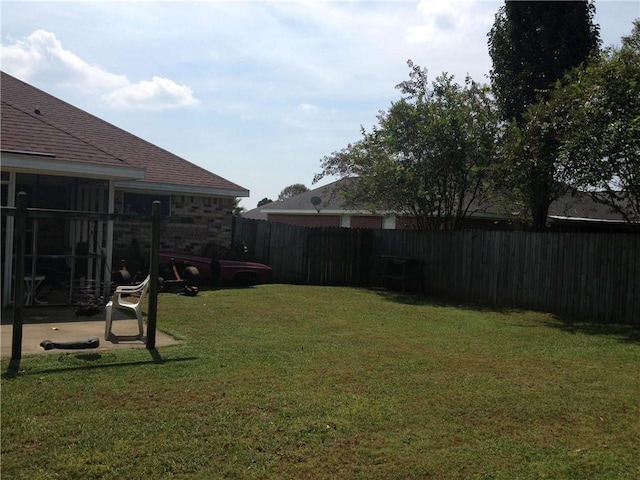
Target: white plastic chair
[131,302]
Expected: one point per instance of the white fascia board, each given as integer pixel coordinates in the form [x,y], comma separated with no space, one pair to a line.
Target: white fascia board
[589,220]
[325,212]
[167,189]
[490,216]
[497,216]
[49,165]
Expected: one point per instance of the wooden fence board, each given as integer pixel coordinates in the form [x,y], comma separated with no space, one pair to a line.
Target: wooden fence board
[583,276]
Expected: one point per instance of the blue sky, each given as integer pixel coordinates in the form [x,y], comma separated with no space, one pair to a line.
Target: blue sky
[255,91]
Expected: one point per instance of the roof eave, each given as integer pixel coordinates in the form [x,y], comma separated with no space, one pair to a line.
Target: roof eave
[48,164]
[325,212]
[166,188]
[587,220]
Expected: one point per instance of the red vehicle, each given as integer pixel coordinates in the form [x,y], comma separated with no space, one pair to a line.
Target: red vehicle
[217,266]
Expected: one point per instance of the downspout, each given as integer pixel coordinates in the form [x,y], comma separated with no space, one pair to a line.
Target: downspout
[8,253]
[109,253]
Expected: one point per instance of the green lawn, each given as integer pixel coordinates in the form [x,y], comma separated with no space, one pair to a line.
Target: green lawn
[280,381]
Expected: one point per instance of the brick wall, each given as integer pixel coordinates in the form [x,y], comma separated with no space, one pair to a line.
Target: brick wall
[307,220]
[356,221]
[369,221]
[212,223]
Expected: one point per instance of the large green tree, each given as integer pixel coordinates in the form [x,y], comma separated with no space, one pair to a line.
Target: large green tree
[530,173]
[292,191]
[428,157]
[600,141]
[532,45]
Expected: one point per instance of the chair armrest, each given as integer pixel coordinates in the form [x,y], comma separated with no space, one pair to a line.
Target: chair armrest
[133,288]
[127,289]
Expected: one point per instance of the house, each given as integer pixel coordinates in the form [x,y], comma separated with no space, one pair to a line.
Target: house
[67,159]
[325,207]
[322,207]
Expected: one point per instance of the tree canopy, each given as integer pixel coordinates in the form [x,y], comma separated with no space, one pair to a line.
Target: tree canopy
[292,191]
[264,201]
[533,45]
[429,155]
[561,116]
[237,208]
[600,135]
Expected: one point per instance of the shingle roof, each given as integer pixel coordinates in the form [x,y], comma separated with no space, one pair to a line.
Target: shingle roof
[329,195]
[255,214]
[575,205]
[24,132]
[72,134]
[580,205]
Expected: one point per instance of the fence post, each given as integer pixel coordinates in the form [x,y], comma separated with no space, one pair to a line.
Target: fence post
[18,290]
[154,271]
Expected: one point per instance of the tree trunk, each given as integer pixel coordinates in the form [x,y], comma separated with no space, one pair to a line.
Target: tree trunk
[540,208]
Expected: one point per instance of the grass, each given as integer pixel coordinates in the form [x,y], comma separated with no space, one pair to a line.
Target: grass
[279,381]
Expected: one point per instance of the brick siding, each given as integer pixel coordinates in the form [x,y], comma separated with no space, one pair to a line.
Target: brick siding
[357,221]
[212,223]
[307,220]
[370,221]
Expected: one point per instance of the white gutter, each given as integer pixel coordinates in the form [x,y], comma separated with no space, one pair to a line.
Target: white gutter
[144,187]
[31,162]
[327,212]
[591,220]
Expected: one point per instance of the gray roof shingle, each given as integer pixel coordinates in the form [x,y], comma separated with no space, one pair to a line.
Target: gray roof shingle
[329,195]
[72,134]
[575,205]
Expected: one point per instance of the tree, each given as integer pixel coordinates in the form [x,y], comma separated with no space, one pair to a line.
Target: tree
[428,157]
[264,201]
[530,172]
[237,208]
[601,138]
[532,45]
[292,191]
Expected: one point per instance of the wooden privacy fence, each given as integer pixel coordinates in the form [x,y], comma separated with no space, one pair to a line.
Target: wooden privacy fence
[583,276]
[312,256]
[590,276]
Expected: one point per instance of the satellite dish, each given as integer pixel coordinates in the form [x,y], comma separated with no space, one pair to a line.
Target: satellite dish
[315,201]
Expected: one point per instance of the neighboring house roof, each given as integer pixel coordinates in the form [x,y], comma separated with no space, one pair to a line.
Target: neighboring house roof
[255,214]
[60,134]
[332,202]
[580,206]
[576,206]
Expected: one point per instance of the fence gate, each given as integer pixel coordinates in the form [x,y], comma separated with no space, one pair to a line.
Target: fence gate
[338,256]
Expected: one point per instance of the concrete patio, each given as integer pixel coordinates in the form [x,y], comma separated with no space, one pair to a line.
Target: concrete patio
[60,324]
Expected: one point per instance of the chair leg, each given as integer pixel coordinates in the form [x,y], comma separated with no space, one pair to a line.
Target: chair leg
[140,326]
[108,320]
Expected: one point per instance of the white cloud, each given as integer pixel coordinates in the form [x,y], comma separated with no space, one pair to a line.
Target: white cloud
[256,66]
[42,56]
[440,19]
[158,94]
[307,107]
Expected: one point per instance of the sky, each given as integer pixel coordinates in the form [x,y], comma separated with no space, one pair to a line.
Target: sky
[257,92]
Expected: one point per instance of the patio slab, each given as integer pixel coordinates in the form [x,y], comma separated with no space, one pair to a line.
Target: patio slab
[60,324]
